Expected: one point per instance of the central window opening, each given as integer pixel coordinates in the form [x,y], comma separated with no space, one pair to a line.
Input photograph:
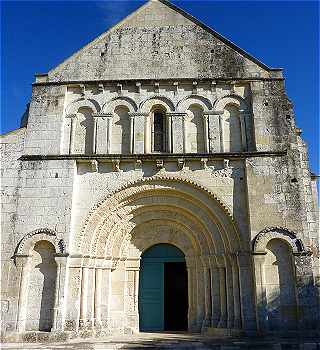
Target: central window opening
[159,131]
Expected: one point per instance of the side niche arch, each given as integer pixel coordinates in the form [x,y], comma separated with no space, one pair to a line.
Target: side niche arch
[277,247]
[235,123]
[28,241]
[35,254]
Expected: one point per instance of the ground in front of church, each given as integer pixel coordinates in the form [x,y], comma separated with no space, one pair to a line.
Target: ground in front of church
[159,341]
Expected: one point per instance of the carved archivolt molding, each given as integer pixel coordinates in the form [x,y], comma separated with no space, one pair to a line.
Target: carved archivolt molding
[111,105]
[187,101]
[263,237]
[236,100]
[74,106]
[43,234]
[109,222]
[146,105]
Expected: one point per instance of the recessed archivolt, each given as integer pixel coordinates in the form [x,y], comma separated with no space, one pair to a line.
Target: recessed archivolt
[110,221]
[74,106]
[146,105]
[201,101]
[235,100]
[262,239]
[176,216]
[128,102]
[164,231]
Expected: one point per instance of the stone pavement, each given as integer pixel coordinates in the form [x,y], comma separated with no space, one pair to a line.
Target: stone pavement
[157,341]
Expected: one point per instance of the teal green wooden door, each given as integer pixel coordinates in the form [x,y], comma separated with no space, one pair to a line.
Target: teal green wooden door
[151,297]
[151,287]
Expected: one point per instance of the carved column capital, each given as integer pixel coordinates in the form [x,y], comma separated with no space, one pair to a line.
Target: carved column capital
[102,115]
[176,114]
[71,116]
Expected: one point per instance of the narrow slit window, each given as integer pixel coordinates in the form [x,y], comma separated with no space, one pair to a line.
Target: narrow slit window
[158,132]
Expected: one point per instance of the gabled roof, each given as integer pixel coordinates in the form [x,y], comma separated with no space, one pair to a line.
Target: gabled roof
[215,33]
[136,25]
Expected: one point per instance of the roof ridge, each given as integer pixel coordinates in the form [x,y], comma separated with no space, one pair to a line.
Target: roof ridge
[215,33]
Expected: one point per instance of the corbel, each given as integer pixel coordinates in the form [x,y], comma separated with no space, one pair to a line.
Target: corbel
[226,163]
[101,88]
[156,87]
[195,87]
[176,87]
[94,165]
[119,89]
[213,86]
[233,87]
[181,163]
[159,164]
[138,164]
[83,89]
[116,165]
[204,162]
[138,86]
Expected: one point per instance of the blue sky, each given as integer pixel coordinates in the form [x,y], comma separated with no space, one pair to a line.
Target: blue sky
[38,35]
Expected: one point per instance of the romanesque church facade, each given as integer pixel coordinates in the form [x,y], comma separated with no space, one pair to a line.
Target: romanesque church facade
[158,182]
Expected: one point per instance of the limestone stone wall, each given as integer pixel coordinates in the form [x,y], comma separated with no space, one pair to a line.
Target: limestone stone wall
[141,47]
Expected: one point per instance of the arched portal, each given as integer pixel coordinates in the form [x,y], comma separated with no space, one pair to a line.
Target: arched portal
[160,210]
[163,291]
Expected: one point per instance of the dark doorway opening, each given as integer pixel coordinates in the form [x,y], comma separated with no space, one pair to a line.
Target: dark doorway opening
[175,296]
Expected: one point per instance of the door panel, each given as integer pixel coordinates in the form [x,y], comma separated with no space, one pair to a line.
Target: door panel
[151,297]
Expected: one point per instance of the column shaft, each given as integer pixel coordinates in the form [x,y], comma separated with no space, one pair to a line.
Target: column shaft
[249,321]
[236,293]
[131,134]
[215,296]
[206,133]
[230,300]
[207,297]
[109,137]
[223,298]
[221,126]
[260,291]
[23,263]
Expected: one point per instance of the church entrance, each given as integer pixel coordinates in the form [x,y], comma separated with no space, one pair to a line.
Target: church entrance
[163,294]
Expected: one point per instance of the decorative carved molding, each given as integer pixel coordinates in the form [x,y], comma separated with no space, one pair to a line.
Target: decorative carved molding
[42,234]
[303,263]
[102,115]
[118,222]
[263,237]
